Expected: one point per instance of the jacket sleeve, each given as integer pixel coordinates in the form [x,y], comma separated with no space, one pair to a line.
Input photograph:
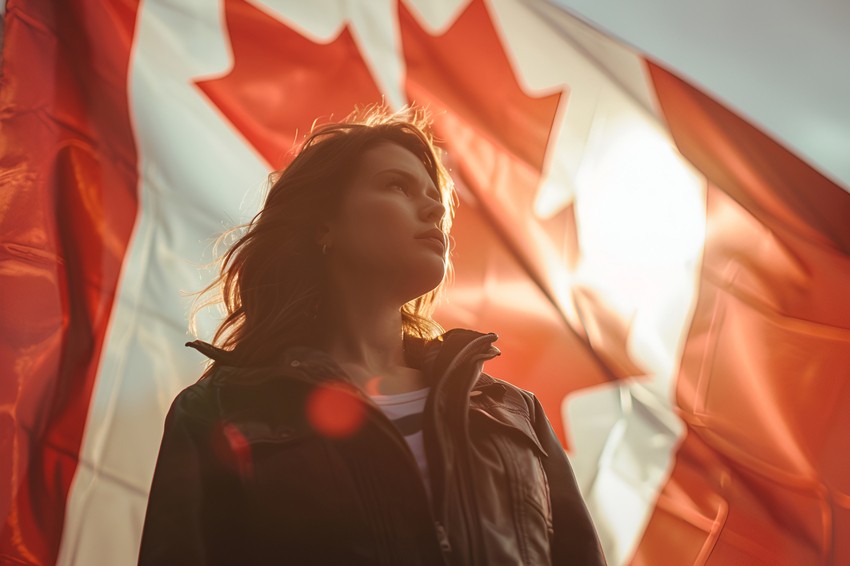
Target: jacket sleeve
[574,539]
[181,518]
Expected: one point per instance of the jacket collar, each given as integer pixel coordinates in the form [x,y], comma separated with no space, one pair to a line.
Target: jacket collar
[432,356]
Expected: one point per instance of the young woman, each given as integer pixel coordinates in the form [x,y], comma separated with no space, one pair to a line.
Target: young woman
[337,423]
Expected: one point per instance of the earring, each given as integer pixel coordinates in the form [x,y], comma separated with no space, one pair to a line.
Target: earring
[324,249]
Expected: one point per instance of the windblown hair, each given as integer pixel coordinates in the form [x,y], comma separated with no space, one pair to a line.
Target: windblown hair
[272,280]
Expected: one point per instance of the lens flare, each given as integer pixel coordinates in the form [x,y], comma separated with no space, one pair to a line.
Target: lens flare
[334,411]
[233,450]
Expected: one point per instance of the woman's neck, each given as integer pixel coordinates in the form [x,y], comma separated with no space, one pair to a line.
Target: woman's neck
[365,338]
[374,341]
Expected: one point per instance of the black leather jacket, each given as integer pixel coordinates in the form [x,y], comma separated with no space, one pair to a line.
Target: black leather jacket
[243,478]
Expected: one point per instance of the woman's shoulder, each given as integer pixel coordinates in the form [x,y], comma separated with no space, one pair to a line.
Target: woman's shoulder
[499,391]
[195,402]
[199,398]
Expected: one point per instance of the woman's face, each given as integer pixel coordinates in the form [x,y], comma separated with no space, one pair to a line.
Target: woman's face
[386,235]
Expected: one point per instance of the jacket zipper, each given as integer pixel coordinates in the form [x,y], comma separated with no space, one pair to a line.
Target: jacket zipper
[470,498]
[384,423]
[466,496]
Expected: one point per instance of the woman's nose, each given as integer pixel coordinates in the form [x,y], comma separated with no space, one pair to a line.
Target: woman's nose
[433,211]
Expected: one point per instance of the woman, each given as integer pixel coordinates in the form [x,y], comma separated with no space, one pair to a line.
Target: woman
[337,422]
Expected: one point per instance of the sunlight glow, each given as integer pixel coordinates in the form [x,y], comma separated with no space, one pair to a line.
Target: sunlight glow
[640,214]
[639,202]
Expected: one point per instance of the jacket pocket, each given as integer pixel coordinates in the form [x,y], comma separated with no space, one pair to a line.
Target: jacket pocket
[513,491]
[511,422]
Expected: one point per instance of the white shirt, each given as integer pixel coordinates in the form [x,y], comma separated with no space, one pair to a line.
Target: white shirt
[405,411]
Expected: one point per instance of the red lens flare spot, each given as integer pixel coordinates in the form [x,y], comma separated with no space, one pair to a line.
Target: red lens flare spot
[233,450]
[334,411]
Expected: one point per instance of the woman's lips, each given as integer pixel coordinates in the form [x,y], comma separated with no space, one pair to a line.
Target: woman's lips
[435,243]
[435,239]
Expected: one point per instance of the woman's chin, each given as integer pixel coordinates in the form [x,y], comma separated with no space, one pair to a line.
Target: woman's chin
[423,283]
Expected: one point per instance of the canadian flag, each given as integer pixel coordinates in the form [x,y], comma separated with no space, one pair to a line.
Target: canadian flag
[673,284]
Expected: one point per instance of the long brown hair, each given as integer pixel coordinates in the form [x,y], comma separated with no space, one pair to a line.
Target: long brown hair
[271,281]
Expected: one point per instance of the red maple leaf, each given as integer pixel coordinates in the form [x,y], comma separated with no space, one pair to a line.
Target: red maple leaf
[496,135]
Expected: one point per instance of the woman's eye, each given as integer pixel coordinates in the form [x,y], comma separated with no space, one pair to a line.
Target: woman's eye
[398,186]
